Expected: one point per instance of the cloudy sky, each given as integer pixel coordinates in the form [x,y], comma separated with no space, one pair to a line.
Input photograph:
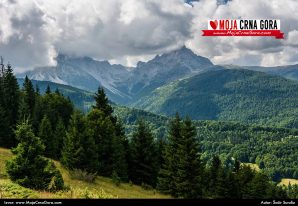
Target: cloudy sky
[33,32]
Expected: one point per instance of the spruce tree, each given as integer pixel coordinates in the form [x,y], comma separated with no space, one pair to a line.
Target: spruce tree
[28,167]
[79,151]
[59,135]
[103,132]
[190,170]
[47,137]
[143,156]
[168,172]
[120,155]
[29,97]
[10,103]
[4,128]
[48,90]
[102,102]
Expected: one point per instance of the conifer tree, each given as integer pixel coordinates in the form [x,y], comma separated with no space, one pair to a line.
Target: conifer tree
[29,97]
[143,156]
[10,102]
[4,128]
[48,90]
[190,170]
[28,167]
[102,102]
[79,149]
[47,137]
[168,172]
[120,152]
[103,132]
[59,134]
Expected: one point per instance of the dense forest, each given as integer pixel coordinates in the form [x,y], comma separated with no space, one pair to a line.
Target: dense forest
[229,95]
[43,127]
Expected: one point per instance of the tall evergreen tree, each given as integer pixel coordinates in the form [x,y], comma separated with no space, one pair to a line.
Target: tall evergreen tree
[190,168]
[213,174]
[29,168]
[103,132]
[59,134]
[102,102]
[143,156]
[79,149]
[168,172]
[29,97]
[48,90]
[47,137]
[4,128]
[10,102]
[120,156]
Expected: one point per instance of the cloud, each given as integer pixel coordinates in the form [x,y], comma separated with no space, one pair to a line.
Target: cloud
[34,31]
[265,51]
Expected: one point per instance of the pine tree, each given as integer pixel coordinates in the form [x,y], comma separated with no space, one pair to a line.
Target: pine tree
[59,135]
[259,187]
[143,156]
[102,102]
[190,169]
[37,90]
[4,128]
[29,97]
[10,103]
[168,171]
[48,90]
[103,132]
[47,137]
[28,167]
[213,174]
[79,151]
[120,155]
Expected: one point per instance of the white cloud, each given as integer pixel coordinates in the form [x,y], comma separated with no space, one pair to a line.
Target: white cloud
[265,51]
[32,32]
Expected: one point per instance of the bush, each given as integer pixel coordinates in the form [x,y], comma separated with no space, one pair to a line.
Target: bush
[28,167]
[83,175]
[116,179]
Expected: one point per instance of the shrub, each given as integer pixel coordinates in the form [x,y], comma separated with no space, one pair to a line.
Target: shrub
[83,175]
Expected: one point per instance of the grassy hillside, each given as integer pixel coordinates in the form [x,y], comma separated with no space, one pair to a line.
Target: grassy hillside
[101,188]
[229,95]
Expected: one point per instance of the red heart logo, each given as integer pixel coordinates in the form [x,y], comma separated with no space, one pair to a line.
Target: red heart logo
[213,24]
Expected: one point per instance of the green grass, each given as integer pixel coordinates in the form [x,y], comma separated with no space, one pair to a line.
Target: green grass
[101,188]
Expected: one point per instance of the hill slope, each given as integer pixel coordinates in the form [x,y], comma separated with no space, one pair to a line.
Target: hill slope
[230,95]
[101,188]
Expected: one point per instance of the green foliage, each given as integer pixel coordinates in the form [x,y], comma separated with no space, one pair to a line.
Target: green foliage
[79,149]
[273,149]
[102,102]
[102,131]
[28,101]
[9,95]
[230,95]
[144,167]
[47,137]
[59,135]
[190,169]
[168,172]
[29,168]
[116,179]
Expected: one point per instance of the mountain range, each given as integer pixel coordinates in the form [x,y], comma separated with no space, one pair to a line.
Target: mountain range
[181,81]
[122,84]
